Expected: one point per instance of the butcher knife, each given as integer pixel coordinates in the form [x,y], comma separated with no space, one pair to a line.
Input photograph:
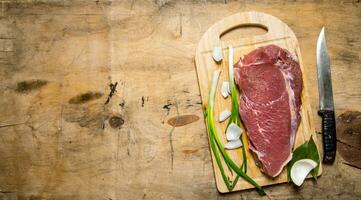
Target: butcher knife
[326,100]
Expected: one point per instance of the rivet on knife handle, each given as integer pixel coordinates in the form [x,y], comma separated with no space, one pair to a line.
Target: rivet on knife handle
[329,135]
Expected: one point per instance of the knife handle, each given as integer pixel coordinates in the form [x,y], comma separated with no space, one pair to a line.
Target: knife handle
[329,135]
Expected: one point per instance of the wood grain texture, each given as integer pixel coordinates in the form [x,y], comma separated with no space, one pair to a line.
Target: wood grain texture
[278,33]
[51,149]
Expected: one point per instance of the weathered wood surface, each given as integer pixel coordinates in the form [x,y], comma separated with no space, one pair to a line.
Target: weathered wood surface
[58,138]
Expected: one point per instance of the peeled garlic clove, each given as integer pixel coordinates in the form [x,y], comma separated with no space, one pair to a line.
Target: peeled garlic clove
[224,115]
[225,89]
[301,169]
[233,132]
[234,144]
[217,54]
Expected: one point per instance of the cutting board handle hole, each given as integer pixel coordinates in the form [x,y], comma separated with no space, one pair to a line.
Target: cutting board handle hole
[243,31]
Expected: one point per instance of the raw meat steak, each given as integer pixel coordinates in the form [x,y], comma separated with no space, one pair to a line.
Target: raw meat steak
[270,81]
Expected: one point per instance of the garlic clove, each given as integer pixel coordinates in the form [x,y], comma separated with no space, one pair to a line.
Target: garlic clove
[301,169]
[217,54]
[233,132]
[234,144]
[225,89]
[224,115]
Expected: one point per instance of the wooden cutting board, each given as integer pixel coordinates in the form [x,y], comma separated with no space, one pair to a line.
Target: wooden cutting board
[275,32]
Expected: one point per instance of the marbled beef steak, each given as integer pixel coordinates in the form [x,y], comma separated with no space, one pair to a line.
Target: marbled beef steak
[270,81]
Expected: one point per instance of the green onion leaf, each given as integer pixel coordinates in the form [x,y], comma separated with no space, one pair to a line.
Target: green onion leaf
[216,143]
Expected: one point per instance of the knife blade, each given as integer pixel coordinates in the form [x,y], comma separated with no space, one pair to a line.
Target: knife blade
[326,110]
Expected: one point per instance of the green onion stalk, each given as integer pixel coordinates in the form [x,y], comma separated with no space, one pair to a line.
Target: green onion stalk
[234,118]
[216,145]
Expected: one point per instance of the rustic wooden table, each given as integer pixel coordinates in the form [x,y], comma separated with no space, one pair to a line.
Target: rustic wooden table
[87,88]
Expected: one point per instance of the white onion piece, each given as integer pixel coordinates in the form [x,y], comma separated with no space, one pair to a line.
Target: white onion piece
[233,132]
[225,89]
[224,115]
[234,144]
[301,169]
[217,54]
